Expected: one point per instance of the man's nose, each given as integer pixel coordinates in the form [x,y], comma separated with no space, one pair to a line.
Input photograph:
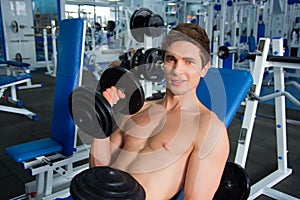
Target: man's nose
[178,65]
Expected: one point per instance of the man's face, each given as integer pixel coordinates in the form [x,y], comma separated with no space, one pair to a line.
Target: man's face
[183,67]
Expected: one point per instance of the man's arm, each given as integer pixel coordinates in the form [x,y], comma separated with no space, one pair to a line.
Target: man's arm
[206,164]
[102,149]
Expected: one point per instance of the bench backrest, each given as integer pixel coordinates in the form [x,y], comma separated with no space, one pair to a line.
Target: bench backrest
[223,90]
[68,76]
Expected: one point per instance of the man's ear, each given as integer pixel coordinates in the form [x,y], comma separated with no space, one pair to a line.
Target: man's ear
[204,70]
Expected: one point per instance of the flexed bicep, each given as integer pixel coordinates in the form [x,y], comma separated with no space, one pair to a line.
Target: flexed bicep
[100,153]
[206,164]
[103,150]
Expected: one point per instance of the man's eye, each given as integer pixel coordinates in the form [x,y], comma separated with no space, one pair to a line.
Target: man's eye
[188,62]
[169,59]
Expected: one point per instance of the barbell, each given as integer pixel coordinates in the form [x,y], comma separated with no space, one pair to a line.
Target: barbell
[224,52]
[14,26]
[93,114]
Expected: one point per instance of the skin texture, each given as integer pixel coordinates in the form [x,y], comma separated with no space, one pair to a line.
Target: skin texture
[172,143]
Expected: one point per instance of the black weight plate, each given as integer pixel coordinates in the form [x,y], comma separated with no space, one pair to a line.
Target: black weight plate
[223,52]
[151,65]
[136,62]
[235,183]
[137,58]
[104,114]
[126,81]
[111,25]
[155,26]
[90,112]
[18,57]
[138,23]
[14,26]
[105,183]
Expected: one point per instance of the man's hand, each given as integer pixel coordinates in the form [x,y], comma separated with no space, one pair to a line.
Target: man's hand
[113,95]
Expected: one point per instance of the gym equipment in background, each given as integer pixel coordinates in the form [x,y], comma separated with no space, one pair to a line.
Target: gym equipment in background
[18,74]
[148,65]
[278,62]
[144,22]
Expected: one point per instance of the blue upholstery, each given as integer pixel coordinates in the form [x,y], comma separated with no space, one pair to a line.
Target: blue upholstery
[222,91]
[38,148]
[15,63]
[69,61]
[4,79]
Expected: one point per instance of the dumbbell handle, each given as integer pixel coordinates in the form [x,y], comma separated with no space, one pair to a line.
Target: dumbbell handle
[113,95]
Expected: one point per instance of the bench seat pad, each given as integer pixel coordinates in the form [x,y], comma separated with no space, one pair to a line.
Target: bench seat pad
[31,150]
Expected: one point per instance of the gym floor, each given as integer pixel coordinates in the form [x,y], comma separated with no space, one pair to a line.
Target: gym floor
[16,129]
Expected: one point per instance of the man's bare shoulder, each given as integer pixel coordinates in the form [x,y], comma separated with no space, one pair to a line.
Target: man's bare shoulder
[149,108]
[211,128]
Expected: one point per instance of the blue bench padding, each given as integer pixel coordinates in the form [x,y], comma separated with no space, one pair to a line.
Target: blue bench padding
[15,63]
[11,79]
[63,128]
[69,61]
[23,152]
[222,91]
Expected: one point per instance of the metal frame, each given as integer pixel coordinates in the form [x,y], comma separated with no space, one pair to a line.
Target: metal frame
[53,173]
[13,93]
[265,185]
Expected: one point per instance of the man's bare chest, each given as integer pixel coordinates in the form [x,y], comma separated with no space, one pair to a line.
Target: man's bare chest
[155,145]
[170,132]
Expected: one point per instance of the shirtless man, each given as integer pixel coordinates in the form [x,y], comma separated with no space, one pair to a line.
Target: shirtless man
[175,142]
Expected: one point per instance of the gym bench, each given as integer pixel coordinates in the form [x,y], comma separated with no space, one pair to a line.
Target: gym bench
[51,160]
[16,73]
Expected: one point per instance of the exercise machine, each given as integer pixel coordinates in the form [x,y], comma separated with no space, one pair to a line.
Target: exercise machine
[278,62]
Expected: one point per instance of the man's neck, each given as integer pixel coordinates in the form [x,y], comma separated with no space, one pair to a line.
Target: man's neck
[187,102]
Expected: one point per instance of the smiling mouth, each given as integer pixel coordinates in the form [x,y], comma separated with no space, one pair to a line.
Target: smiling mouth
[178,82]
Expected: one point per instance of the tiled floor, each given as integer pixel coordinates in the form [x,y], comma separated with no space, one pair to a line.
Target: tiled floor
[261,161]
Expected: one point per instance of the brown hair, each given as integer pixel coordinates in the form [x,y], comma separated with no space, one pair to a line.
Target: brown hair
[191,33]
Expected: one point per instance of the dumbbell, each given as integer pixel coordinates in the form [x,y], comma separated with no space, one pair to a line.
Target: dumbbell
[152,65]
[235,183]
[144,22]
[105,183]
[148,64]
[136,59]
[93,114]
